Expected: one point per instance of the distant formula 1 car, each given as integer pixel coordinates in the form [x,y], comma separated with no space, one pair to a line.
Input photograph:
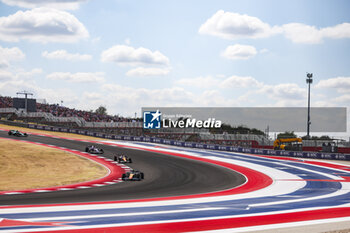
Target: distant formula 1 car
[122,159]
[17,133]
[133,176]
[93,150]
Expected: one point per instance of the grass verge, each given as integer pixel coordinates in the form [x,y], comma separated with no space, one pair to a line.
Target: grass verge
[27,166]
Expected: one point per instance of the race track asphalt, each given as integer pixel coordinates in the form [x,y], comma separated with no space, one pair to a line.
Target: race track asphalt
[165,176]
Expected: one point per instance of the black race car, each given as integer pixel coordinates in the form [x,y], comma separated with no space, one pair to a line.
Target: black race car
[93,150]
[17,133]
[122,159]
[133,176]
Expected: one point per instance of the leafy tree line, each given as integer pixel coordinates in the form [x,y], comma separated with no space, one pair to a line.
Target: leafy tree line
[291,134]
[228,129]
[235,130]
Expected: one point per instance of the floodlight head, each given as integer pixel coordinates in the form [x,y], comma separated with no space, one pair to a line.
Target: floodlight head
[309,78]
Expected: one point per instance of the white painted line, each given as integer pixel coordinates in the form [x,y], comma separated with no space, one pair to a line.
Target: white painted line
[42,191]
[337,193]
[120,215]
[109,182]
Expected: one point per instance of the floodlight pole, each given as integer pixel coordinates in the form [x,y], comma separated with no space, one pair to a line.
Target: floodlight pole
[25,93]
[308,81]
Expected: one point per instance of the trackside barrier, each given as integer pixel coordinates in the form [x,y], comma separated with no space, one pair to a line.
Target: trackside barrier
[298,154]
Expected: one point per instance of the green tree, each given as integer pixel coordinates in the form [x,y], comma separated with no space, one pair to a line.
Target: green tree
[102,110]
[287,134]
[323,137]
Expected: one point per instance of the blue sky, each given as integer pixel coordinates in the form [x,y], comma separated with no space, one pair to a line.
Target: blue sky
[127,54]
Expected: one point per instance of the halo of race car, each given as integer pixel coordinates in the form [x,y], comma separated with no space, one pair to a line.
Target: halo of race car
[17,133]
[93,150]
[133,175]
[122,159]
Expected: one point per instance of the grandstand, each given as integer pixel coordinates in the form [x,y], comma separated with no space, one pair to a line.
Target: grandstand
[63,116]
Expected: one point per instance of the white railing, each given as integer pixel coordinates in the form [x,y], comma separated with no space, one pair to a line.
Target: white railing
[8,110]
[235,137]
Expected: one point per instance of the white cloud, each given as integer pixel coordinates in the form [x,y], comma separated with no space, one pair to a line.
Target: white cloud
[214,98]
[11,54]
[8,55]
[239,52]
[286,94]
[92,95]
[96,40]
[264,51]
[57,4]
[240,82]
[306,34]
[127,41]
[28,74]
[210,82]
[341,84]
[199,82]
[301,33]
[141,71]
[337,32]
[42,25]
[4,64]
[343,99]
[79,77]
[130,99]
[64,55]
[284,91]
[18,75]
[229,25]
[23,80]
[126,55]
[6,75]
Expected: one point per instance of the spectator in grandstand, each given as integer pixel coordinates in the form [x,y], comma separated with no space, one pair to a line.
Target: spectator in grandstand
[6,102]
[60,111]
[89,116]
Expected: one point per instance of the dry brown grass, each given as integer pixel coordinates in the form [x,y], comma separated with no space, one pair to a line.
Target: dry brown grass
[59,134]
[339,231]
[27,166]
